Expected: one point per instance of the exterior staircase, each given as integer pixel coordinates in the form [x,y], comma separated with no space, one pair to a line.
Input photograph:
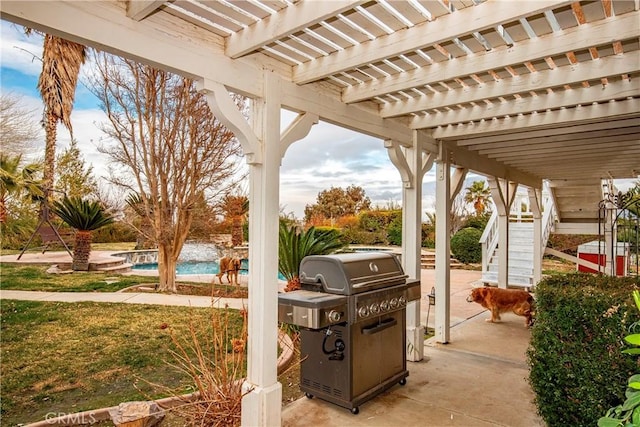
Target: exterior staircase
[428,261]
[521,242]
[520,257]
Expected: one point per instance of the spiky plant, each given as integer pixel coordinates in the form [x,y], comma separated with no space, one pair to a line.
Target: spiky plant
[295,244]
[85,216]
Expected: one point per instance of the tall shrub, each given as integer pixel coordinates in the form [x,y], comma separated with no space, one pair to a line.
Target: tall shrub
[465,245]
[394,230]
[576,364]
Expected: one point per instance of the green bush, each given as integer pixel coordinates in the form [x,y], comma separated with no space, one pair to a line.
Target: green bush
[478,221]
[465,245]
[576,364]
[394,230]
[428,236]
[114,232]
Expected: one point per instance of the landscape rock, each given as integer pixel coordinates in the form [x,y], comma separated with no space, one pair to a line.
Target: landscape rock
[137,414]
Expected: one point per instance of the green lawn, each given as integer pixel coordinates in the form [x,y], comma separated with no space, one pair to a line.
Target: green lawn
[70,357]
[35,278]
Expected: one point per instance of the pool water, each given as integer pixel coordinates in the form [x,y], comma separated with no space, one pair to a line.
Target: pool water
[193,267]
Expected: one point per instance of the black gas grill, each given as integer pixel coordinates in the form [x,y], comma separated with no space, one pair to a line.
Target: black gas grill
[351,310]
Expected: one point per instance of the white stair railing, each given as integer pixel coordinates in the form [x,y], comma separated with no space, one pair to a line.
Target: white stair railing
[549,216]
[489,240]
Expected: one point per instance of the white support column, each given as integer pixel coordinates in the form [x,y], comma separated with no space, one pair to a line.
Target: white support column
[412,164]
[503,194]
[610,236]
[535,203]
[261,143]
[261,406]
[443,251]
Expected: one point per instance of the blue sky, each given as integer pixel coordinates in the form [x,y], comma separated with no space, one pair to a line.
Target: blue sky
[328,157]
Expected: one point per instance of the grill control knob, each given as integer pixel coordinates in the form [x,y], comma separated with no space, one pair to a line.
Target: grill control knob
[363,311]
[334,316]
[374,308]
[393,303]
[402,301]
[384,305]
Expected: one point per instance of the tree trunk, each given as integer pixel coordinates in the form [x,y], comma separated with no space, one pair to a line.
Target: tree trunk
[81,251]
[3,211]
[166,269]
[236,231]
[49,153]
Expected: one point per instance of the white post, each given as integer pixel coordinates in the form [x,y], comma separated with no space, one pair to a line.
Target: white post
[535,203]
[503,194]
[261,406]
[412,163]
[610,238]
[443,252]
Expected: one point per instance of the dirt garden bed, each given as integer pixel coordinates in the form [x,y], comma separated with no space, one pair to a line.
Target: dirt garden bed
[205,289]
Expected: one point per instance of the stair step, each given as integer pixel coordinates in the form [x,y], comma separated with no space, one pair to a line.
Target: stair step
[121,268]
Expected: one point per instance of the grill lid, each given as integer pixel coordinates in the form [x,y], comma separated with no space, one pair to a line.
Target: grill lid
[351,273]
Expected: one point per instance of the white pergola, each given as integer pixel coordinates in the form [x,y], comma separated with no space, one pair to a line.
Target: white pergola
[519,91]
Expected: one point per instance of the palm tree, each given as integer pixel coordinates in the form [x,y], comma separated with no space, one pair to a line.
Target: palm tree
[15,180]
[479,195]
[61,61]
[295,244]
[84,216]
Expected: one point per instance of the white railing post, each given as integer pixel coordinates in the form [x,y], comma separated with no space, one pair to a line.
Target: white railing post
[489,240]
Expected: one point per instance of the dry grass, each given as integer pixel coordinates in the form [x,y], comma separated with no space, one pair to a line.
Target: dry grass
[61,357]
[213,355]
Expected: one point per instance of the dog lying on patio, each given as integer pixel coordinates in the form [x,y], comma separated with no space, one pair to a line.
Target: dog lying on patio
[229,266]
[499,301]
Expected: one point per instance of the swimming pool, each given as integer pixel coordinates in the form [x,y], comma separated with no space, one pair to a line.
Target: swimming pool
[193,267]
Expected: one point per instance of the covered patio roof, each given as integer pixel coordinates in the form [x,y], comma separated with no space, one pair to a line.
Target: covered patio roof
[519,91]
[527,87]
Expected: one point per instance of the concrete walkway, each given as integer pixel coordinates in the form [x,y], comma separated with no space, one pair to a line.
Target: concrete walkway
[126,298]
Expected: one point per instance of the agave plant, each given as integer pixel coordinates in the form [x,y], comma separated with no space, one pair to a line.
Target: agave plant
[85,216]
[295,244]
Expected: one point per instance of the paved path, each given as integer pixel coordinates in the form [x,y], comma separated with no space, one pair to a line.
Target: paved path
[126,298]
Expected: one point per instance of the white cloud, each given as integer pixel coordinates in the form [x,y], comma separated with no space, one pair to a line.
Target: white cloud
[19,52]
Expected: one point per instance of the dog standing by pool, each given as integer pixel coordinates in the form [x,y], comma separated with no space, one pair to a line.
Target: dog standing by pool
[231,267]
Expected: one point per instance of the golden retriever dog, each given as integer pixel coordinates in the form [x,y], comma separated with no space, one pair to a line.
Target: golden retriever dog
[503,300]
[229,266]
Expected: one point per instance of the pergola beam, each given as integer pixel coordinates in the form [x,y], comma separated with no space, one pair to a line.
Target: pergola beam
[568,75]
[490,167]
[573,39]
[292,19]
[551,134]
[525,148]
[140,9]
[580,96]
[463,22]
[551,141]
[564,117]
[189,51]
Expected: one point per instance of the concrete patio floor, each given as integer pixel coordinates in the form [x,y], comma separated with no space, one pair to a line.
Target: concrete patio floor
[479,379]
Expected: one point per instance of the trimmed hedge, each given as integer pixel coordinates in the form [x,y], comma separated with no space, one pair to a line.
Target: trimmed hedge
[577,369]
[466,246]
